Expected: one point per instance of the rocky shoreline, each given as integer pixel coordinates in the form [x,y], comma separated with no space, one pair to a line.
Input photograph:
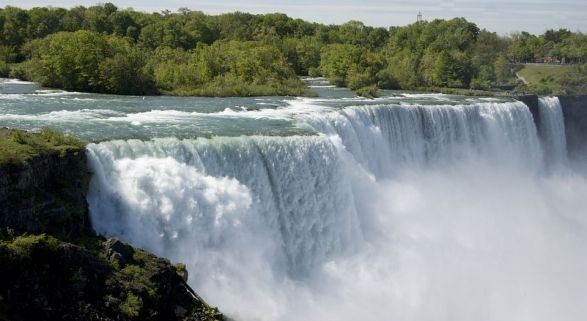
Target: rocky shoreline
[54,267]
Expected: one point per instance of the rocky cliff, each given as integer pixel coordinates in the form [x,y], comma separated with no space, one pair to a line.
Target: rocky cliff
[47,194]
[52,265]
[575,115]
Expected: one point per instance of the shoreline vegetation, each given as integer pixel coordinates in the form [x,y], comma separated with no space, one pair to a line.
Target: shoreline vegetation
[18,146]
[104,49]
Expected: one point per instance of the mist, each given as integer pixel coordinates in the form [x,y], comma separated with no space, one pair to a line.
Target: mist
[476,224]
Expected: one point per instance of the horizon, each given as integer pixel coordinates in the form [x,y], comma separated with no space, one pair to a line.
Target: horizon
[499,17]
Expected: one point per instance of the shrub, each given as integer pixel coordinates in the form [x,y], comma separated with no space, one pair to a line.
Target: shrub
[368,92]
[314,72]
[18,71]
[4,69]
[57,138]
[131,307]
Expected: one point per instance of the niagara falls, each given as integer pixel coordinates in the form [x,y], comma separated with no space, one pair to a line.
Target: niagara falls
[409,206]
[293,161]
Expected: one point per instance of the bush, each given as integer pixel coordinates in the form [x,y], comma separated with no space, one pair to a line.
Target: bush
[4,69]
[57,138]
[481,84]
[314,72]
[132,306]
[368,92]
[18,71]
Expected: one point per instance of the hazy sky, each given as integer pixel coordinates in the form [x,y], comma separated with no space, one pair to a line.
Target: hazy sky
[502,16]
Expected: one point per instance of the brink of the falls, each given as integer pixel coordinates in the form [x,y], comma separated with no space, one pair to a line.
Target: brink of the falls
[386,211]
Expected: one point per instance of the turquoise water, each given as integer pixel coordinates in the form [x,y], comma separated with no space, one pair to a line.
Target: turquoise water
[97,117]
[410,207]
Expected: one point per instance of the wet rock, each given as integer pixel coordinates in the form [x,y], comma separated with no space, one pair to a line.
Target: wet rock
[119,251]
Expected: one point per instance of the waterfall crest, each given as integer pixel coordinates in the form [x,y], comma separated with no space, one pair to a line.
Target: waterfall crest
[369,218]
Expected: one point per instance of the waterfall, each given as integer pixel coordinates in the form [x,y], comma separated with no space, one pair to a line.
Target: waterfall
[169,192]
[552,131]
[173,196]
[385,137]
[369,218]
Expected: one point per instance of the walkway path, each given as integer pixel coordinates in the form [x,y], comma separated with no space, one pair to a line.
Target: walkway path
[522,79]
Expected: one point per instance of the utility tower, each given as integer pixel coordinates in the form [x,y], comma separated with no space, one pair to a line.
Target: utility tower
[419,17]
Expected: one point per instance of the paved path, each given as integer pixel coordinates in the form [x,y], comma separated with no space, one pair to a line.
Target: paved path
[522,79]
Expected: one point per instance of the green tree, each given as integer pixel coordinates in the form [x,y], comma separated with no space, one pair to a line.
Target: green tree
[15,25]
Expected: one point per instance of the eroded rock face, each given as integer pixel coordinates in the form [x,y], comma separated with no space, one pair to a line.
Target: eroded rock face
[119,251]
[43,278]
[54,267]
[47,195]
[575,116]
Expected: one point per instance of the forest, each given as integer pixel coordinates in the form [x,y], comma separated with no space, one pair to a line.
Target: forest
[106,49]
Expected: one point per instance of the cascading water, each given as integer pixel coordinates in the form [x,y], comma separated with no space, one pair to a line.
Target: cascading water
[386,137]
[181,197]
[172,195]
[552,131]
[389,211]
[407,207]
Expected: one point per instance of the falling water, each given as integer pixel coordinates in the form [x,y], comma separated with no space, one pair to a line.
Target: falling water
[388,211]
[552,131]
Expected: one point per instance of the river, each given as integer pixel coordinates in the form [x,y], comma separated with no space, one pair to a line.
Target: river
[406,207]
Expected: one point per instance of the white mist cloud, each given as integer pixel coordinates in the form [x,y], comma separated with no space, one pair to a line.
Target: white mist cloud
[473,242]
[471,234]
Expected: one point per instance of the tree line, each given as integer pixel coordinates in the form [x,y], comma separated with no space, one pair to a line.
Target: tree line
[106,49]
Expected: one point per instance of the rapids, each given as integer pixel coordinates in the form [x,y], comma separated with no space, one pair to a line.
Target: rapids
[408,207]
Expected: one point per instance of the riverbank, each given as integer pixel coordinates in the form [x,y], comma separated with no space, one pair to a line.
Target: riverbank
[54,267]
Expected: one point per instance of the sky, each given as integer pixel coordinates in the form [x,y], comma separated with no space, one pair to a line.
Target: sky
[501,16]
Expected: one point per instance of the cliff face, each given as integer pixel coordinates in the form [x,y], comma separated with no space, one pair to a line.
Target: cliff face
[53,266]
[575,115]
[44,278]
[46,195]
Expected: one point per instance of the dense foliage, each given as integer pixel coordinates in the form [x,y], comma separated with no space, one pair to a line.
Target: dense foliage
[104,49]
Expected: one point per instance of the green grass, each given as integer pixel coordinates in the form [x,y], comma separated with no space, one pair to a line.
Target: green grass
[17,146]
[545,79]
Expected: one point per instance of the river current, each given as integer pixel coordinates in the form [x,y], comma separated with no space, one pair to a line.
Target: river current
[407,207]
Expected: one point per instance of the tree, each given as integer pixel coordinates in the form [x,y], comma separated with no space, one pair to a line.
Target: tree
[44,21]
[15,26]
[337,60]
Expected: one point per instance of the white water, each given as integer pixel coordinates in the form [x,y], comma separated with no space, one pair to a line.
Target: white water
[392,212]
[553,131]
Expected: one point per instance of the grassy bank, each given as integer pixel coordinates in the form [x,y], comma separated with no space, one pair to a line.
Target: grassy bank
[18,146]
[546,79]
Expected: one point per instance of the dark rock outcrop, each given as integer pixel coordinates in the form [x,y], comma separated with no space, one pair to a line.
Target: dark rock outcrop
[46,195]
[43,278]
[575,115]
[532,102]
[119,251]
[54,267]
[574,110]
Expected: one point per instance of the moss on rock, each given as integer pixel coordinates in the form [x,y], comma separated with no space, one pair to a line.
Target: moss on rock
[53,266]
[45,278]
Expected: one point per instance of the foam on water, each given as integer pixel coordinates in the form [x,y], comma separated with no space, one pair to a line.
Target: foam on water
[296,186]
[65,115]
[392,211]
